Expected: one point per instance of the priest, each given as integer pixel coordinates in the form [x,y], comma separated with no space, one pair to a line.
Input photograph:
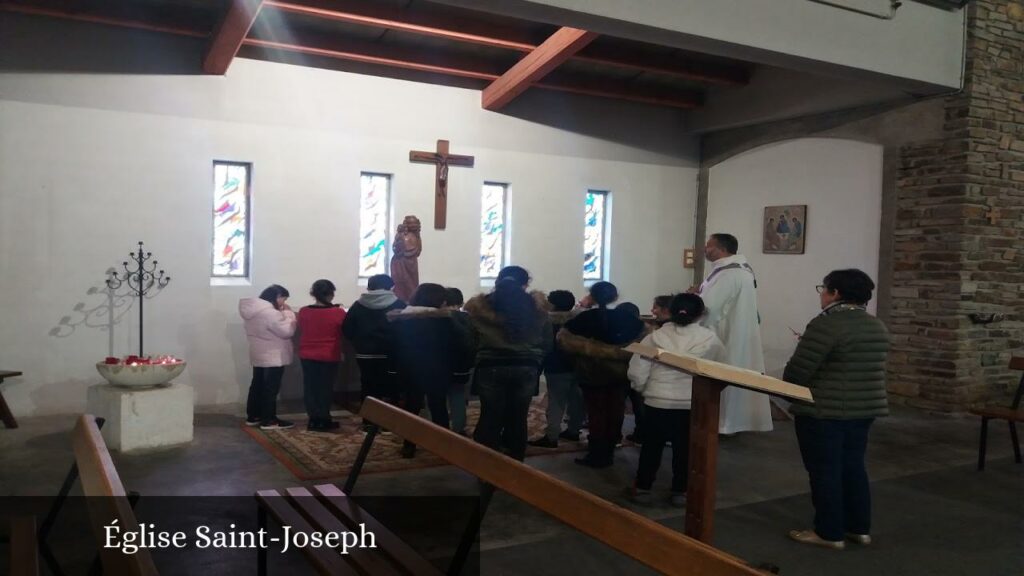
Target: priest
[730,295]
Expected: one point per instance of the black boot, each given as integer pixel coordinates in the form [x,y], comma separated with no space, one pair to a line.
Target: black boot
[598,454]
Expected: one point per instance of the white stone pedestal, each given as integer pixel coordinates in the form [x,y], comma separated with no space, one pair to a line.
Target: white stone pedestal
[137,419]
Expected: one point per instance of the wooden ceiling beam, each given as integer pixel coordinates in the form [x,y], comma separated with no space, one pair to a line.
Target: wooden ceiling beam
[379,16]
[535,65]
[229,35]
[464,30]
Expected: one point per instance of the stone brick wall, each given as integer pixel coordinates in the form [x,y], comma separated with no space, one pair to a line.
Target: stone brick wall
[959,230]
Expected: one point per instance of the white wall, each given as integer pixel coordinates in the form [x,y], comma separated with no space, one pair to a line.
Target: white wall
[92,163]
[840,181]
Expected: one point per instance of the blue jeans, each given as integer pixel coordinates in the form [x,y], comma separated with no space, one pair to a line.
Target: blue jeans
[457,406]
[505,394]
[833,454]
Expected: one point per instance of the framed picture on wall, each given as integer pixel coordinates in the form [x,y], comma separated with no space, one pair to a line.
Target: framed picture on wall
[785,229]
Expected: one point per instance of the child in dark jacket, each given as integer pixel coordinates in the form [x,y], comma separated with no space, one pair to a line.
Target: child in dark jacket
[429,343]
[563,392]
[366,326]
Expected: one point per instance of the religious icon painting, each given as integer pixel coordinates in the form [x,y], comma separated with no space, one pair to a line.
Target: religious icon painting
[785,229]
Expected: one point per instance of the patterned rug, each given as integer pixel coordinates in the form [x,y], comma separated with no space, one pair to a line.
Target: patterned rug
[320,455]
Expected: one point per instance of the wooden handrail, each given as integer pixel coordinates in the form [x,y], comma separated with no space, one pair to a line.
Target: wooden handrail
[106,499]
[640,538]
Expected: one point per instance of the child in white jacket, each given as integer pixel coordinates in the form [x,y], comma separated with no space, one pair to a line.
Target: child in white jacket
[269,327]
[667,393]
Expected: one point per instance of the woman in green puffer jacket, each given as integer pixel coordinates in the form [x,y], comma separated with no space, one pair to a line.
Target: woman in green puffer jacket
[841,358]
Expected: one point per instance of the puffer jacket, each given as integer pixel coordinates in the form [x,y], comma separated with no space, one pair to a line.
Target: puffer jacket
[841,358]
[269,331]
[494,347]
[664,387]
[429,344]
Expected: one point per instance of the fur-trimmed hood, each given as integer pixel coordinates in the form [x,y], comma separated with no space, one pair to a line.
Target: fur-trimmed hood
[490,330]
[480,309]
[575,345]
[418,313]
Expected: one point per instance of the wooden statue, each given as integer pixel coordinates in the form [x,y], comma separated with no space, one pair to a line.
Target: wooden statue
[405,268]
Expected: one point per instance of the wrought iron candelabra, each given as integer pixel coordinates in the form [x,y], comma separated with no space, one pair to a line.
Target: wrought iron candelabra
[141,279]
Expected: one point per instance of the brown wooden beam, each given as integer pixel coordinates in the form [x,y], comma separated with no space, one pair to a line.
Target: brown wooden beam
[385,17]
[535,65]
[229,35]
[371,53]
[464,30]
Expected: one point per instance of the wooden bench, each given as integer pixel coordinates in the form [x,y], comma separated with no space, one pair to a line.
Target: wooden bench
[5,412]
[640,538]
[108,500]
[1012,414]
[24,554]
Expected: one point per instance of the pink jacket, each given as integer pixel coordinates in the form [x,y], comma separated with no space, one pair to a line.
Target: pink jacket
[269,331]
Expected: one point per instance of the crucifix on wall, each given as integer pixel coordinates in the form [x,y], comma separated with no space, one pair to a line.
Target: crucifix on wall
[441,160]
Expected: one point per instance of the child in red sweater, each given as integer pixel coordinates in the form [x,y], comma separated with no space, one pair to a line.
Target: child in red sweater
[320,353]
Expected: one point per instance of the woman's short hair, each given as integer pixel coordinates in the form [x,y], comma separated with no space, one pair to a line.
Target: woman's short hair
[430,295]
[272,292]
[321,290]
[380,282]
[629,308]
[686,309]
[852,285]
[604,293]
[562,300]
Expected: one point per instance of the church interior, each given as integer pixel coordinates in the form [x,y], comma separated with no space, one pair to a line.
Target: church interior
[163,160]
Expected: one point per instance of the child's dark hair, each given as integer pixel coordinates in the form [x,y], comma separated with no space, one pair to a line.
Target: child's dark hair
[380,282]
[604,293]
[562,300]
[686,309]
[663,301]
[430,295]
[453,297]
[513,304]
[321,291]
[271,293]
[629,308]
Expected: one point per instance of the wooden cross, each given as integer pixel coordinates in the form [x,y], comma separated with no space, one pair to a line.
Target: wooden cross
[442,160]
[993,215]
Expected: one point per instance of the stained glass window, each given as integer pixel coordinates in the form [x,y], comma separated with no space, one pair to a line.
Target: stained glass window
[594,233]
[492,229]
[374,193]
[231,220]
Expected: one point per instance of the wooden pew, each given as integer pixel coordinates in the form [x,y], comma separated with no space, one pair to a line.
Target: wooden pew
[1012,414]
[640,538]
[107,499]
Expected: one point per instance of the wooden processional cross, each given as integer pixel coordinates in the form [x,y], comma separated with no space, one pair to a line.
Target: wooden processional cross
[709,379]
[441,160]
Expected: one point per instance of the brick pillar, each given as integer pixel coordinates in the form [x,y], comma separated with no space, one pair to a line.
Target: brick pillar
[959,230]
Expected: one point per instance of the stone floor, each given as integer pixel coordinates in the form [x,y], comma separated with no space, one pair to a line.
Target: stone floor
[756,472]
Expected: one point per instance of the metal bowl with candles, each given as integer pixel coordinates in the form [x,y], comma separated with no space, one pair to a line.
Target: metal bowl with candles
[137,375]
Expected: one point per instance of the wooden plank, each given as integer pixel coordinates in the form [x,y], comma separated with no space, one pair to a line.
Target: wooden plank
[731,375]
[366,560]
[1017,363]
[1008,414]
[324,560]
[229,35]
[556,49]
[352,515]
[107,500]
[703,463]
[99,19]
[24,547]
[6,416]
[642,539]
